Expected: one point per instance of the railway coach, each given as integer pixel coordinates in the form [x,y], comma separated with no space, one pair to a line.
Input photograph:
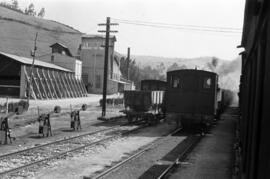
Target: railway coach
[191,97]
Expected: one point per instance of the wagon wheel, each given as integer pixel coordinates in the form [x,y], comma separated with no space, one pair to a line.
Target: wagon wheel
[155,119]
[131,118]
[137,118]
[151,119]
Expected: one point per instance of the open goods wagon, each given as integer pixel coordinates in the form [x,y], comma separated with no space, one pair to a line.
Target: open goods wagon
[143,105]
[153,85]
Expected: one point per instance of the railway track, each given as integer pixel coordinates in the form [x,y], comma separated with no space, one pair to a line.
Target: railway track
[20,161]
[137,154]
[191,142]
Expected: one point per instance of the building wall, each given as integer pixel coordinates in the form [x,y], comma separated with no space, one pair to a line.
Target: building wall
[23,82]
[64,61]
[78,69]
[92,56]
[50,83]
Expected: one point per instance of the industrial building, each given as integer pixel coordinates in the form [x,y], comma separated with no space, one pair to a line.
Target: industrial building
[92,56]
[62,56]
[49,81]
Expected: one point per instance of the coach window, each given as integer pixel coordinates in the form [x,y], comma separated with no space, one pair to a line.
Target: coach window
[175,82]
[207,83]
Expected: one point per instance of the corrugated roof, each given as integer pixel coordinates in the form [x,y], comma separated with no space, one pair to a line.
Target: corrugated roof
[59,44]
[98,36]
[29,61]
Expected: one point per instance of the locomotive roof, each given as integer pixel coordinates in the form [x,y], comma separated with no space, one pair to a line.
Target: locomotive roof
[154,80]
[192,71]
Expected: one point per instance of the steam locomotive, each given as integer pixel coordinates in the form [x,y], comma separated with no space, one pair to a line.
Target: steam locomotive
[188,98]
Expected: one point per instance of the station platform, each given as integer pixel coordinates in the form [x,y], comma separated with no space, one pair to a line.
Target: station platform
[212,158]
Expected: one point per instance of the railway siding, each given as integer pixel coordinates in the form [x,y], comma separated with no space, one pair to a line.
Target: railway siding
[90,162]
[21,160]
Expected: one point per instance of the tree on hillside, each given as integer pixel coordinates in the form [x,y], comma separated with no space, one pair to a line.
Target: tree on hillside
[41,12]
[30,10]
[136,73]
[161,68]
[213,64]
[15,4]
[124,66]
[174,66]
[12,6]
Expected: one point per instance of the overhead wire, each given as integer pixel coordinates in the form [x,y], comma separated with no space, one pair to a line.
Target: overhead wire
[181,26]
[159,23]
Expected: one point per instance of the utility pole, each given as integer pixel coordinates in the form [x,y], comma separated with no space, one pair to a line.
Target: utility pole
[106,59]
[128,60]
[33,54]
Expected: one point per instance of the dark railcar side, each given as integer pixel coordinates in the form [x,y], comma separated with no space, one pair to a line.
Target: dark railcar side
[139,101]
[255,91]
[153,85]
[191,95]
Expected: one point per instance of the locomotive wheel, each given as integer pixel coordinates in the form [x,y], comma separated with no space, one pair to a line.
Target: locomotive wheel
[129,118]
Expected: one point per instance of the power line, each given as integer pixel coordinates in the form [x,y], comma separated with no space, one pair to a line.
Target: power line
[181,27]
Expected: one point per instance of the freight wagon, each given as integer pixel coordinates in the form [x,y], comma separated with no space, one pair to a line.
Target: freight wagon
[143,105]
[153,85]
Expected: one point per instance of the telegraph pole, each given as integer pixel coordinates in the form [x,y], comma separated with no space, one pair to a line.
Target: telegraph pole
[106,59]
[33,54]
[128,60]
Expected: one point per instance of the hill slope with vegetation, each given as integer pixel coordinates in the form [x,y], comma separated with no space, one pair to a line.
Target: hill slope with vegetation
[149,67]
[17,34]
[18,31]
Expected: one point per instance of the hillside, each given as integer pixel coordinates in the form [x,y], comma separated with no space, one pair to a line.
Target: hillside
[228,71]
[18,31]
[155,61]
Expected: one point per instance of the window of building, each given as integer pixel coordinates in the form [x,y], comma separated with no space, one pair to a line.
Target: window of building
[207,82]
[98,81]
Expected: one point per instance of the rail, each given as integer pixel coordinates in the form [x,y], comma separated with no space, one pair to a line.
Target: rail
[31,153]
[137,154]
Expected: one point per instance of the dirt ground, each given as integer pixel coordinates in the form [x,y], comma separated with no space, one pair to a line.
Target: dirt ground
[95,159]
[24,128]
[83,163]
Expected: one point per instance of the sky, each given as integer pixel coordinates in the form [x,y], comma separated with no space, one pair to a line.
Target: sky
[84,15]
